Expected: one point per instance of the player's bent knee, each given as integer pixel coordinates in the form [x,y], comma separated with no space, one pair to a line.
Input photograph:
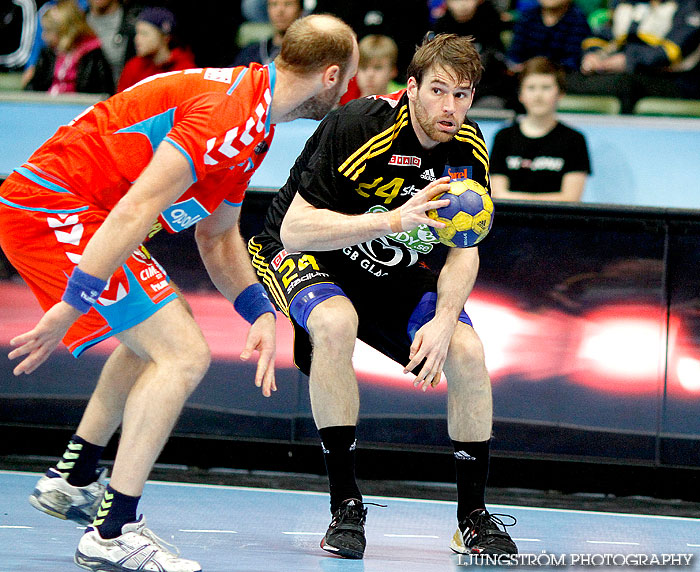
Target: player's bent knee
[333,322]
[191,364]
[465,358]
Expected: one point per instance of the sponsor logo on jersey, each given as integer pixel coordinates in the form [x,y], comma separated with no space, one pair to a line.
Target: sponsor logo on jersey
[458,173]
[405,161]
[410,190]
[428,175]
[419,239]
[180,216]
[223,75]
[279,257]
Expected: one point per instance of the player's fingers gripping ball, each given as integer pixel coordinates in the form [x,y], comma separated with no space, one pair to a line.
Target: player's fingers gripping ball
[468,217]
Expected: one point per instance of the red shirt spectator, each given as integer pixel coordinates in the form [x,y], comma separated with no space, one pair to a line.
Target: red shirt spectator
[154,55]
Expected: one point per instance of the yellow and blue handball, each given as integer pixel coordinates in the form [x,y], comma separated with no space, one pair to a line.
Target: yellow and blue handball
[468,217]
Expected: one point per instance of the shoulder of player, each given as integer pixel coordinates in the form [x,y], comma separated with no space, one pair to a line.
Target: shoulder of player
[363,118]
[470,134]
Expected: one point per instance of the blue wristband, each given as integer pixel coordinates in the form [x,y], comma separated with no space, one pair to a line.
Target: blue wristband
[253,303]
[83,290]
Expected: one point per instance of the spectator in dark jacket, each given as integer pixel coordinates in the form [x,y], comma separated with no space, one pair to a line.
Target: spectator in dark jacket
[72,61]
[554,29]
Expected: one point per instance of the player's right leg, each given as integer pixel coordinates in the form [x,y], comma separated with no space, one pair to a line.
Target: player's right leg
[323,317]
[177,357]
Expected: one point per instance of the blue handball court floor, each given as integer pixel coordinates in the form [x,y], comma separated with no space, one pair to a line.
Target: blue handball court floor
[241,529]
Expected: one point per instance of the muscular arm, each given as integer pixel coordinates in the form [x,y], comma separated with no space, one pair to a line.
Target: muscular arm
[223,251]
[165,178]
[455,283]
[432,340]
[226,259]
[307,228]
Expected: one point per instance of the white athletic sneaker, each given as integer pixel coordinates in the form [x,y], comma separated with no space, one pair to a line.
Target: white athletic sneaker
[53,495]
[136,549]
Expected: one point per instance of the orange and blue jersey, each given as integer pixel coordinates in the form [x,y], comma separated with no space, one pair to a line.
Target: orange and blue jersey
[217,118]
[50,207]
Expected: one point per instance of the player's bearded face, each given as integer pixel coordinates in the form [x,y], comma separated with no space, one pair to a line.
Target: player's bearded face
[440,105]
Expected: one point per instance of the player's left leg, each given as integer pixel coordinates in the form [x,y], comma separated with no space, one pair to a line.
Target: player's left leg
[469,414]
[74,487]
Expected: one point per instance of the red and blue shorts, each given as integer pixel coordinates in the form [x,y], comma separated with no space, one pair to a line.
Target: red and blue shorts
[44,232]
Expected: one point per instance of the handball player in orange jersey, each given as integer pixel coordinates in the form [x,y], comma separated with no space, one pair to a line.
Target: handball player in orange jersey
[175,150]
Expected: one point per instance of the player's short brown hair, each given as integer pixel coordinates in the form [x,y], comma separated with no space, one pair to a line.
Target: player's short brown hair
[448,51]
[315,42]
[543,66]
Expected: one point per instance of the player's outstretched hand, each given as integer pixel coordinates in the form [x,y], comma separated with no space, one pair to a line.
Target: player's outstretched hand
[38,343]
[261,338]
[413,211]
[430,343]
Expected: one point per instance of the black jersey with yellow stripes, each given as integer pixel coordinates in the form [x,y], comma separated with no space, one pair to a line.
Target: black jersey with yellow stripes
[365,157]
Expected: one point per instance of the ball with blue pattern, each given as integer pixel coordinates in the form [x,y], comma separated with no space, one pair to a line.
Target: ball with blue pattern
[469,216]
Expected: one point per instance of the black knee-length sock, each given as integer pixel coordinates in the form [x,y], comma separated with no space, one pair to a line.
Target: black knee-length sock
[339,453]
[472,467]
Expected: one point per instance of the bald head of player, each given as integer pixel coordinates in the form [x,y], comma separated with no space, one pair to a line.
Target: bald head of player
[318,58]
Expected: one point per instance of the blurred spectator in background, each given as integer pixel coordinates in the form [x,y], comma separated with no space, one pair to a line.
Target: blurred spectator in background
[281,14]
[554,29]
[72,60]
[254,10]
[539,157]
[405,22]
[154,52]
[652,48]
[481,20]
[377,67]
[376,70]
[114,24]
[38,43]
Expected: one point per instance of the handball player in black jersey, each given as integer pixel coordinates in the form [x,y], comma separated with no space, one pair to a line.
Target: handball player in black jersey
[346,253]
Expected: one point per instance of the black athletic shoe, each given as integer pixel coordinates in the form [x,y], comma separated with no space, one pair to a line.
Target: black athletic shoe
[483,533]
[346,533]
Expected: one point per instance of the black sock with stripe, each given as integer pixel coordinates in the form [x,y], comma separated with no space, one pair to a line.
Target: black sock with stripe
[115,511]
[79,462]
[338,445]
[472,467]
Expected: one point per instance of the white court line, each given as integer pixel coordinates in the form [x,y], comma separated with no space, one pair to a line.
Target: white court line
[693,545]
[208,531]
[527,539]
[411,536]
[399,499]
[11,526]
[611,542]
[297,533]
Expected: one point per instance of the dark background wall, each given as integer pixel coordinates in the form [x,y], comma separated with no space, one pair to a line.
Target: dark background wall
[590,319]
